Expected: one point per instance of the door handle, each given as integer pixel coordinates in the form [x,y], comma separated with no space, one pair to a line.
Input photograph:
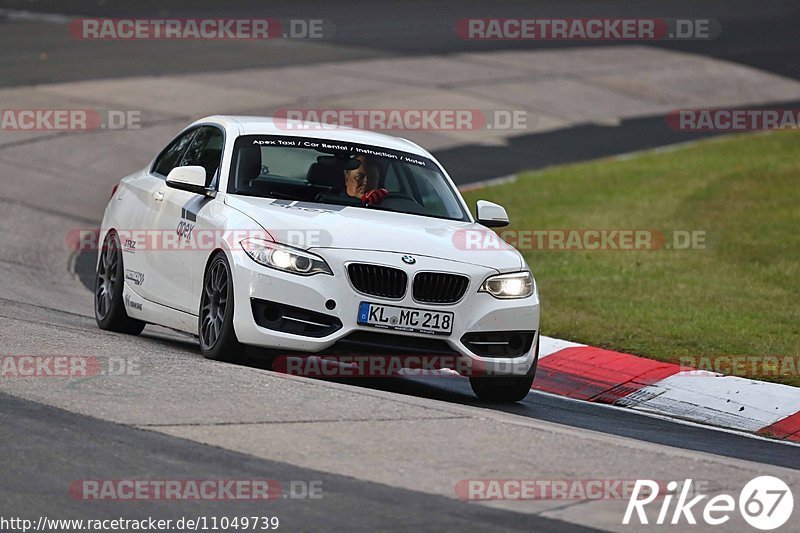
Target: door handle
[158,196]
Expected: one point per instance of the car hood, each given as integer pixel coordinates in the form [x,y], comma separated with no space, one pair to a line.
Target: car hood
[313,225]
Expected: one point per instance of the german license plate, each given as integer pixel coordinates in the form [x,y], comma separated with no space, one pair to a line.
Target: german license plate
[405,319]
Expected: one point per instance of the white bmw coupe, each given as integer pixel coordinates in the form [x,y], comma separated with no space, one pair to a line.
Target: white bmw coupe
[250,231]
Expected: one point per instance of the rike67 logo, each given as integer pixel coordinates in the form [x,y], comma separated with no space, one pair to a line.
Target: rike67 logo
[765,503]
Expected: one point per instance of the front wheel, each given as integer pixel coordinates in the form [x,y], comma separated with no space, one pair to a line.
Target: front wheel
[215,323]
[505,389]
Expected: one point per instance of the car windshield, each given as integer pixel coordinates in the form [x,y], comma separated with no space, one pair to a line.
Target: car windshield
[341,173]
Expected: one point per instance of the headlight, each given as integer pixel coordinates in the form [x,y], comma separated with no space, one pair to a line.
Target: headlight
[285,258]
[516,285]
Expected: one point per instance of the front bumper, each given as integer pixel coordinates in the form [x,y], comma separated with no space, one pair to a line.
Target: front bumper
[475,312]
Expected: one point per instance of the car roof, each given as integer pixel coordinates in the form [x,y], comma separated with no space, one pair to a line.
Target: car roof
[253,125]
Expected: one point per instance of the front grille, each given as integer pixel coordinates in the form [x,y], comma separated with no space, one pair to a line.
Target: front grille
[439,288]
[386,282]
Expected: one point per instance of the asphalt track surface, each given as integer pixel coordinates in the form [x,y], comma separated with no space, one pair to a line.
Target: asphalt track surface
[755,33]
[758,34]
[58,441]
[45,447]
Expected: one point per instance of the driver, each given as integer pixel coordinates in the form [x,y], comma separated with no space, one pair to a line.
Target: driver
[362,182]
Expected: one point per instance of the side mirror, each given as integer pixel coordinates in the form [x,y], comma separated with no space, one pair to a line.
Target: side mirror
[492,215]
[191,178]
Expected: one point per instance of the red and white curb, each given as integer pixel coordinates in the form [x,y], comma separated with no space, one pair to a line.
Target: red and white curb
[604,376]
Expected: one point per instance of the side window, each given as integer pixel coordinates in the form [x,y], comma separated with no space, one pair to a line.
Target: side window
[172,154]
[205,150]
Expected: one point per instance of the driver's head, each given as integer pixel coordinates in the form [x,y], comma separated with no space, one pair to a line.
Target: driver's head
[360,181]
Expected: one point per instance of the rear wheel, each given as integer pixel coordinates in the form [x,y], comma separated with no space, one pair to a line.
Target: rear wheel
[215,323]
[109,307]
[506,389]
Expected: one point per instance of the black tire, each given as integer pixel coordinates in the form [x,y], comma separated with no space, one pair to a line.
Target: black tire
[109,306]
[215,320]
[505,389]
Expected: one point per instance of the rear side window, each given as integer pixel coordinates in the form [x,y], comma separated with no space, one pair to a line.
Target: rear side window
[173,153]
[205,150]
